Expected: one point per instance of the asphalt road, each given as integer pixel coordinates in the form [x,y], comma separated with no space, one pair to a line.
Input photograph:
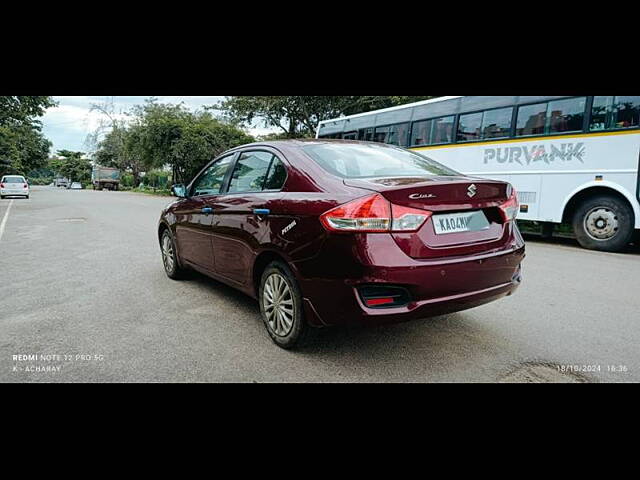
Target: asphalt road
[82,289]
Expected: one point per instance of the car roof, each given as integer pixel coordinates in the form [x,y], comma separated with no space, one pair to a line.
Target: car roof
[299,142]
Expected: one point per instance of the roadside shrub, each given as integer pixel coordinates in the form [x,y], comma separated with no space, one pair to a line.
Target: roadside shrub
[157,179]
[40,180]
[126,180]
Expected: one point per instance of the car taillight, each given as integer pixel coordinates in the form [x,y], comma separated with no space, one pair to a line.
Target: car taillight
[509,209]
[406,219]
[373,214]
[26,185]
[1,185]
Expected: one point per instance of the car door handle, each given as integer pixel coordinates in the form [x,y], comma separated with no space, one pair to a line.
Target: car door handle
[261,211]
[207,210]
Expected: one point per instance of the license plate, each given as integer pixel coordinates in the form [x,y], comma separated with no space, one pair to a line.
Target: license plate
[460,222]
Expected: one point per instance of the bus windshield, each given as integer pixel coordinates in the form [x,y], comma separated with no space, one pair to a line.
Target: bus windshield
[371,160]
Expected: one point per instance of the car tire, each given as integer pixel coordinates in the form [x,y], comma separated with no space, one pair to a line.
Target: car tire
[1,197]
[604,223]
[27,197]
[170,257]
[281,307]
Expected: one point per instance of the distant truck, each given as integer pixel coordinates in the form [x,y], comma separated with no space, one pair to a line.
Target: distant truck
[104,177]
[61,182]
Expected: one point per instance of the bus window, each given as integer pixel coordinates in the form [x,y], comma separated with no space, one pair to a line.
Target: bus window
[566,115]
[600,112]
[469,127]
[497,123]
[609,112]
[381,135]
[365,134]
[421,132]
[625,112]
[349,135]
[399,134]
[531,119]
[442,131]
[392,134]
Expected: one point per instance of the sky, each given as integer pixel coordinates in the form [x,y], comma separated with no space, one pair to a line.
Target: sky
[68,124]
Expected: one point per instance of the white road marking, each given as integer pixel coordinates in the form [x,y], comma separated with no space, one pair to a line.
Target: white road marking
[4,219]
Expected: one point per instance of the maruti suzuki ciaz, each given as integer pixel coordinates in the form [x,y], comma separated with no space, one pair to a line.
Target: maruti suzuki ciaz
[331,232]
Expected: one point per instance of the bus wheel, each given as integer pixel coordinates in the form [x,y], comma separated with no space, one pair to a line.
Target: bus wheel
[604,223]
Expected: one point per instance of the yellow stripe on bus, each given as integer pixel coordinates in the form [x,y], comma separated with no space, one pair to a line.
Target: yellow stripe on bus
[527,139]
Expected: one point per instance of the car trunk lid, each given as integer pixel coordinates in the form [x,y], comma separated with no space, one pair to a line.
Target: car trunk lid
[465,219]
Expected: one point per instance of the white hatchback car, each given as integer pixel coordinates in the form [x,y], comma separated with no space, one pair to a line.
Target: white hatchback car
[14,185]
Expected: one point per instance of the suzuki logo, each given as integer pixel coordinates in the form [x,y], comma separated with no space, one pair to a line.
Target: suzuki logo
[472,190]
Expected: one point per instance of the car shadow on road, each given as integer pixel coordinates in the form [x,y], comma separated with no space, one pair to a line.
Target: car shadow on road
[443,348]
[243,301]
[457,347]
[392,335]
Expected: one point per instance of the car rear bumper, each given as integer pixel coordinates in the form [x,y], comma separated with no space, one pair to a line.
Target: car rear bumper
[14,193]
[435,287]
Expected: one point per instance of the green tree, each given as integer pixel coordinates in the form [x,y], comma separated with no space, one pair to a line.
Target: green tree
[72,165]
[16,110]
[122,148]
[172,136]
[23,147]
[161,136]
[298,116]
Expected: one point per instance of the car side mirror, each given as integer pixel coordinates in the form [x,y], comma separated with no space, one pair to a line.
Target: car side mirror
[179,190]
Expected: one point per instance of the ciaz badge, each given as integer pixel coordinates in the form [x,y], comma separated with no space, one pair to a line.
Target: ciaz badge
[418,196]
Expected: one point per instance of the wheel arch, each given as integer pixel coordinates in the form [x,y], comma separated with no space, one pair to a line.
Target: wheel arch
[263,259]
[162,226]
[598,188]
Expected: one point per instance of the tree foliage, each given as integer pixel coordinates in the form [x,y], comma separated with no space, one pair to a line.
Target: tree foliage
[16,110]
[71,165]
[23,147]
[165,135]
[298,116]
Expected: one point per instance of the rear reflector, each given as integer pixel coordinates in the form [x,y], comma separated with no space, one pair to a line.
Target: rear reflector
[373,302]
[373,214]
[381,296]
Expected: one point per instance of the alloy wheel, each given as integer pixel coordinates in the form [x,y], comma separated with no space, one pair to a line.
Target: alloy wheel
[167,253]
[278,305]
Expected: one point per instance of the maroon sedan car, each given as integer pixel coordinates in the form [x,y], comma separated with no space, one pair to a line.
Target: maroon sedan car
[328,232]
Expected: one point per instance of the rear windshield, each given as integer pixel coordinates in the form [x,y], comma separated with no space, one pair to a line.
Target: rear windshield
[13,180]
[371,160]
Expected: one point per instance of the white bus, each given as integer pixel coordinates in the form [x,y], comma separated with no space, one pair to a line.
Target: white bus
[572,159]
